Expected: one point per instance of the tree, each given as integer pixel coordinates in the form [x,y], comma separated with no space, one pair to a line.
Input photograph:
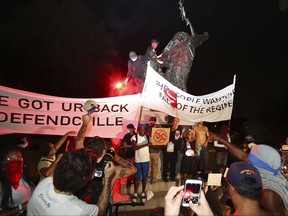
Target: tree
[53,46]
[283,5]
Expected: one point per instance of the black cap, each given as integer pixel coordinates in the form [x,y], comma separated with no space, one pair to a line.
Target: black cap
[130,126]
[155,41]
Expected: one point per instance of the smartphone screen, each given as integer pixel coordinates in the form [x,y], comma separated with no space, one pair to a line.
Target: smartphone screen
[192,192]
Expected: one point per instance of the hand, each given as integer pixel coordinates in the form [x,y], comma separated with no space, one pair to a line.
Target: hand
[183,129]
[173,200]
[126,81]
[203,207]
[86,119]
[59,157]
[109,170]
[71,133]
[214,137]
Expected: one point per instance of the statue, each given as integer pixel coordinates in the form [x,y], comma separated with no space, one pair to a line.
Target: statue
[178,55]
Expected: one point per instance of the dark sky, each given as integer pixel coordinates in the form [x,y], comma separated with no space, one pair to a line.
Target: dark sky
[246,38]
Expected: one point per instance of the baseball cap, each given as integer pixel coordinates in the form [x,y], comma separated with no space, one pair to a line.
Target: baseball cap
[155,41]
[245,175]
[130,126]
[152,118]
[141,125]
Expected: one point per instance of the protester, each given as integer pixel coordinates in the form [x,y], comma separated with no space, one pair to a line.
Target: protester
[91,192]
[141,144]
[54,195]
[173,201]
[48,161]
[137,65]
[201,134]
[248,144]
[221,150]
[154,151]
[188,167]
[170,155]
[151,53]
[129,152]
[244,187]
[15,185]
[274,196]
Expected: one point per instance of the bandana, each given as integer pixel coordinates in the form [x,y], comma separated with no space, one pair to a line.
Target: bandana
[13,171]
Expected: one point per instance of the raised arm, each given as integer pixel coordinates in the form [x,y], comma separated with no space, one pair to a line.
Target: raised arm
[48,171]
[79,142]
[233,149]
[63,138]
[103,200]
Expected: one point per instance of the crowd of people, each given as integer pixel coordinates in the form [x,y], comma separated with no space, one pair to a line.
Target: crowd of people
[79,181]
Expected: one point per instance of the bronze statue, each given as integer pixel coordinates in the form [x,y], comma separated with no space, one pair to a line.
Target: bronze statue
[178,55]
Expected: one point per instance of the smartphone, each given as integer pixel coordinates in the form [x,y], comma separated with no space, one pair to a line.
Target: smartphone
[192,191]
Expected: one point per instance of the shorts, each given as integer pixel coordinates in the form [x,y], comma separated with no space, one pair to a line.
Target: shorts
[154,158]
[142,171]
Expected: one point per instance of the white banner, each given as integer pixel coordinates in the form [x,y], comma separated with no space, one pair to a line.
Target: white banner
[26,112]
[213,107]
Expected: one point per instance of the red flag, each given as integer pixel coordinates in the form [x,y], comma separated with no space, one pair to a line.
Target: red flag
[172,97]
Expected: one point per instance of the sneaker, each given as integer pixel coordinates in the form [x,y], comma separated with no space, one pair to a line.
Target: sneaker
[143,197]
[153,180]
[134,197]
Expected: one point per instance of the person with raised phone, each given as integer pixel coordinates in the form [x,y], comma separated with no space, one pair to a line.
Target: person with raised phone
[91,192]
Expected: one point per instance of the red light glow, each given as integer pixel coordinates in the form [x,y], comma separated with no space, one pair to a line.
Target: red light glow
[119,85]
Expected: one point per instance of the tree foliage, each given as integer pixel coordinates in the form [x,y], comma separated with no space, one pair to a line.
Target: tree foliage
[56,44]
[283,5]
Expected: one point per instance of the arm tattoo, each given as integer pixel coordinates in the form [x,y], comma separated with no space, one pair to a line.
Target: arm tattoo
[104,197]
[122,173]
[122,162]
[80,137]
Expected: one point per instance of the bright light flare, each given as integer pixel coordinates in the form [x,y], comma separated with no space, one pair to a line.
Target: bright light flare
[119,85]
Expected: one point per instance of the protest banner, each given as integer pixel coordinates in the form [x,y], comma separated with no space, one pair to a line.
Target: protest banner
[212,107]
[27,112]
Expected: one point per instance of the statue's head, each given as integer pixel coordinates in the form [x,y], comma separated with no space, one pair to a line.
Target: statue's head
[181,36]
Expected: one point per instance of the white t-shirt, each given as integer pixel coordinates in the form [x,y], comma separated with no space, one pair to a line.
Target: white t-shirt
[141,155]
[20,195]
[45,201]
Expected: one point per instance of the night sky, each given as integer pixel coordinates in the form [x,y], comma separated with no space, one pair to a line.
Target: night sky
[246,38]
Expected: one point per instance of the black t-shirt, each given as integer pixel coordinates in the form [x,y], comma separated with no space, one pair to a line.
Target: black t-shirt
[175,137]
[130,152]
[127,138]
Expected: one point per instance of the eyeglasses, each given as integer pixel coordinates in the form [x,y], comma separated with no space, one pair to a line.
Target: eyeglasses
[17,158]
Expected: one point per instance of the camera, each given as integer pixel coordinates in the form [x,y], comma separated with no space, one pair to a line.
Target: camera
[109,155]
